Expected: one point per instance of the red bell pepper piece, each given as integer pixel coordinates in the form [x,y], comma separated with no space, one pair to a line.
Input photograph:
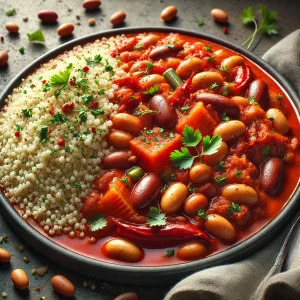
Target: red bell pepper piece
[242,79]
[170,235]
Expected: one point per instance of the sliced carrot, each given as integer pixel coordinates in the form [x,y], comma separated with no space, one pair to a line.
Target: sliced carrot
[116,201]
[198,118]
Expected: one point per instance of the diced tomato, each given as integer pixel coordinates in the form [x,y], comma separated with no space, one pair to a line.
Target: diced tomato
[17,134]
[72,82]
[68,107]
[44,81]
[102,182]
[242,79]
[128,44]
[130,82]
[198,118]
[61,142]
[85,69]
[93,128]
[94,105]
[51,110]
[153,150]
[91,203]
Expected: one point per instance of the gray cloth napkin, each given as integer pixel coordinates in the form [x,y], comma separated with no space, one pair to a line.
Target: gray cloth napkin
[273,273]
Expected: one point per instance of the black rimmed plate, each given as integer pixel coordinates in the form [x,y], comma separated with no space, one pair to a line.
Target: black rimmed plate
[146,275]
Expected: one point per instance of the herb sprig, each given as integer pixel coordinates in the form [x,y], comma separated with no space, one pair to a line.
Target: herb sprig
[156,218]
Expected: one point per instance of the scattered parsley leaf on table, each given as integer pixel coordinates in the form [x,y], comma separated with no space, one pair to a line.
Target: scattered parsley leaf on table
[156,218]
[11,12]
[37,36]
[97,222]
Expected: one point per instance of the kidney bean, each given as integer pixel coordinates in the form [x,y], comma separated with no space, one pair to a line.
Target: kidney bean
[215,158]
[117,160]
[123,250]
[209,190]
[149,40]
[271,175]
[48,16]
[150,80]
[219,15]
[230,130]
[20,279]
[233,61]
[146,119]
[163,52]
[3,58]
[165,115]
[173,198]
[205,79]
[191,251]
[63,286]
[240,100]
[200,173]
[195,202]
[219,227]
[127,122]
[127,296]
[219,102]
[91,4]
[118,18]
[258,89]
[119,139]
[4,256]
[190,66]
[280,122]
[146,191]
[240,193]
[65,29]
[169,13]
[12,27]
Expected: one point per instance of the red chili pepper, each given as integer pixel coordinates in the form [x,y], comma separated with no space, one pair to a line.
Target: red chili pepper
[170,235]
[242,79]
[85,69]
[51,110]
[61,142]
[17,134]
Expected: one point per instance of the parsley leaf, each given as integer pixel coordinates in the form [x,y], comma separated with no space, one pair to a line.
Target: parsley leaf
[82,115]
[156,218]
[78,186]
[279,96]
[200,22]
[11,12]
[43,134]
[87,99]
[97,112]
[62,78]
[191,138]
[183,159]
[224,69]
[138,47]
[208,49]
[125,180]
[220,166]
[211,145]
[184,108]
[220,180]
[238,174]
[27,113]
[153,90]
[247,16]
[101,92]
[169,46]
[202,214]
[224,117]
[252,101]
[37,36]
[233,208]
[266,151]
[213,86]
[97,222]
[145,112]
[58,118]
[211,59]
[170,253]
[22,50]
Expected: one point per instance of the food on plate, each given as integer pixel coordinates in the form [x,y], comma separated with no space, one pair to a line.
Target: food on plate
[149,148]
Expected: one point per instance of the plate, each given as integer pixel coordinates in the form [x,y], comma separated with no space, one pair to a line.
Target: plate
[146,275]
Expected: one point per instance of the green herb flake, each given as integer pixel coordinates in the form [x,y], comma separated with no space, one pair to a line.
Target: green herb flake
[153,90]
[224,117]
[24,92]
[279,96]
[53,153]
[252,101]
[125,180]
[19,128]
[213,86]
[82,115]
[138,47]
[173,177]
[156,218]
[58,118]
[97,222]
[22,50]
[200,22]
[145,112]
[109,68]
[233,208]
[208,49]
[87,99]
[78,186]
[184,108]
[220,180]
[169,46]
[226,92]
[220,166]
[202,214]
[211,59]
[43,134]
[266,151]
[169,253]
[68,149]
[27,113]
[238,174]
[224,69]
[101,92]
[11,12]
[37,36]
[271,118]
[97,112]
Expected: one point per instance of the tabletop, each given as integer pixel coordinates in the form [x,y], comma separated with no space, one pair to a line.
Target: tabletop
[139,13]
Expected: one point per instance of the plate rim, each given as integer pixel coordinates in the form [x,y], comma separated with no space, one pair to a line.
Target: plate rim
[147,275]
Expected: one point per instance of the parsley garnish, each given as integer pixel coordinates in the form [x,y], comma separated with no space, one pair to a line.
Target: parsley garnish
[101,92]
[233,208]
[11,12]
[27,113]
[37,36]
[87,99]
[149,67]
[22,50]
[53,153]
[202,214]
[220,180]
[97,112]
[156,218]
[68,149]
[184,108]
[97,222]
[266,151]
[92,63]
[125,180]
[200,22]
[271,118]
[279,96]
[213,86]
[226,91]
[191,138]
[211,59]
[78,186]
[108,68]
[138,47]
[220,166]
[173,177]
[82,115]
[170,253]
[43,134]
[224,117]
[268,22]
[252,101]
[208,49]
[169,46]
[238,174]
[19,128]
[58,118]
[153,90]
[224,69]
[145,112]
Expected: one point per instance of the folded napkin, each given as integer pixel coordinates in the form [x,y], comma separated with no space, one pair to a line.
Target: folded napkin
[273,273]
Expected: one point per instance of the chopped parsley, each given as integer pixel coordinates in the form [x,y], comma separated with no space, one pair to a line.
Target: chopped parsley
[11,12]
[233,208]
[87,99]
[58,118]
[201,213]
[93,62]
[156,218]
[143,139]
[97,112]
[109,68]
[173,177]
[82,115]
[19,128]
[43,134]
[145,112]
[68,149]
[213,86]
[22,50]
[169,46]
[220,166]
[200,22]
[101,92]
[184,108]
[266,151]
[153,90]
[78,186]
[220,180]
[138,47]
[170,253]
[211,59]
[208,49]
[279,96]
[149,67]
[224,117]
[252,101]
[125,180]
[37,36]
[238,174]
[27,113]
[53,153]
[226,91]
[271,118]
[224,69]
[97,222]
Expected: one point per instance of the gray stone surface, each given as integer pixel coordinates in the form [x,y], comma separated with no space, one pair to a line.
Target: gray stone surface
[139,13]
